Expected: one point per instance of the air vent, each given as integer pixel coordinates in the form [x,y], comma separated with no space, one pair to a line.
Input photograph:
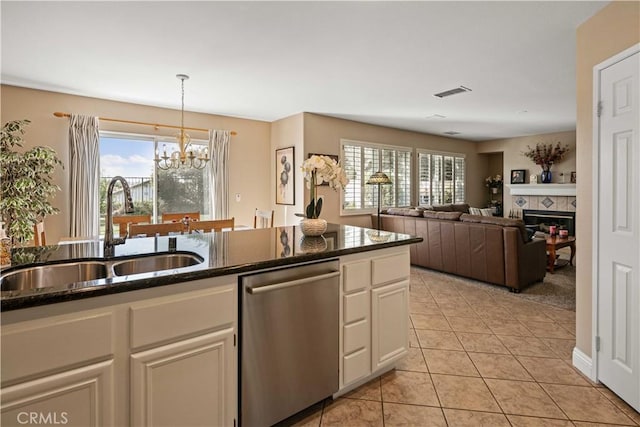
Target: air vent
[436,117]
[451,133]
[459,89]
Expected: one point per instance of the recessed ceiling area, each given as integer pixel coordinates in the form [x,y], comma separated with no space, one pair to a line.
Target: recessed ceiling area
[373,62]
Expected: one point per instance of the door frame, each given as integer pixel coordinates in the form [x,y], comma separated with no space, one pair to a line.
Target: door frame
[595,312]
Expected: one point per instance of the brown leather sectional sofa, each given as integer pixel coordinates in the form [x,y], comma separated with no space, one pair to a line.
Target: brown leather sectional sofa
[490,249]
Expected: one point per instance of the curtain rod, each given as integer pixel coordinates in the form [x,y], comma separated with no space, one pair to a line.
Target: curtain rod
[156,125]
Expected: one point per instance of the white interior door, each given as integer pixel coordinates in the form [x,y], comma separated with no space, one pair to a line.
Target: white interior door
[618,224]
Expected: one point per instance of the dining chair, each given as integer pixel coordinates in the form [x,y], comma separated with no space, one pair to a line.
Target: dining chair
[124,221]
[39,236]
[179,216]
[212,225]
[263,219]
[156,229]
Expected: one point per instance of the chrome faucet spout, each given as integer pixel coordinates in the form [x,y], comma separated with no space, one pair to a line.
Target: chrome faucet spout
[109,241]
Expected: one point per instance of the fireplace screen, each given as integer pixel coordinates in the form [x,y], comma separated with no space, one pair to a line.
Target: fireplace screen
[543,219]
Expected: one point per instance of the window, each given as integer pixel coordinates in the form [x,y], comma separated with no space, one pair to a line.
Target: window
[360,160]
[441,178]
[153,190]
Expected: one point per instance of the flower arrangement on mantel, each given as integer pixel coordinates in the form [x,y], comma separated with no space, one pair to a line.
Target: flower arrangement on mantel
[545,155]
[493,181]
[318,169]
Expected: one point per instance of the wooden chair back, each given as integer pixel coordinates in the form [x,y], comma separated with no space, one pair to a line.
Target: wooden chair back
[179,216]
[123,221]
[263,219]
[156,229]
[39,236]
[212,225]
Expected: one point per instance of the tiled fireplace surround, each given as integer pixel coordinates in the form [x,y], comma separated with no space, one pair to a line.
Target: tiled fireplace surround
[542,197]
[543,203]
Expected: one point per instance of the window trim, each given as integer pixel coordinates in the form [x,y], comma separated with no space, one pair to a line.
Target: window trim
[378,146]
[437,153]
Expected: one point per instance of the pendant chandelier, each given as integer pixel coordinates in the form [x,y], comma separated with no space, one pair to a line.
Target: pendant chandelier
[187,156]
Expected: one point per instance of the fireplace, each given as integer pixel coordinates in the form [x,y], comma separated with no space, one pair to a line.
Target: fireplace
[543,219]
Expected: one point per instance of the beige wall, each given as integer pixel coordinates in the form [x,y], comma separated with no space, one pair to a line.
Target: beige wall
[322,134]
[614,29]
[247,154]
[288,132]
[512,149]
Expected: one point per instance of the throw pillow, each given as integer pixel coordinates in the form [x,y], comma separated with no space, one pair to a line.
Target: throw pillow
[475,211]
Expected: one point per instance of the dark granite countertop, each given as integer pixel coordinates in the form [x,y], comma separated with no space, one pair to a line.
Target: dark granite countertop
[226,253]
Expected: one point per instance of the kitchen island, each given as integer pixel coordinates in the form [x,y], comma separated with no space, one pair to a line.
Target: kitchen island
[161,347]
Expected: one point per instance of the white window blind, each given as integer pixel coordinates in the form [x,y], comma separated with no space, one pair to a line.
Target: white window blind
[441,178]
[360,161]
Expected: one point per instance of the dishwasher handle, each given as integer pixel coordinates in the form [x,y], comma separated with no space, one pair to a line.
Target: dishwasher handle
[268,288]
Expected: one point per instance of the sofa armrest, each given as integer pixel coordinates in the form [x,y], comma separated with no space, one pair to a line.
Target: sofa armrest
[532,262]
[525,263]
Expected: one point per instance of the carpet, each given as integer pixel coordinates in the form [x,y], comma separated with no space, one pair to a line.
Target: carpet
[557,289]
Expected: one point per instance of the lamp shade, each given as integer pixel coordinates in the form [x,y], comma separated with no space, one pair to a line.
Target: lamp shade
[379,178]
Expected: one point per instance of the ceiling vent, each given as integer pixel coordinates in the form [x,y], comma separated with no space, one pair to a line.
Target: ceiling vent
[451,133]
[459,89]
[436,117]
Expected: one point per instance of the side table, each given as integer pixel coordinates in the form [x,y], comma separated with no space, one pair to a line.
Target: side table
[554,243]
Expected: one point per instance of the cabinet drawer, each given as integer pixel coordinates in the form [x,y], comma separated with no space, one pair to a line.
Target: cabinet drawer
[37,347]
[356,307]
[356,276]
[390,268]
[166,319]
[356,365]
[356,336]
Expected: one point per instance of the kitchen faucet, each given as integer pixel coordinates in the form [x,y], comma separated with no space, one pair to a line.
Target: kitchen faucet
[109,241]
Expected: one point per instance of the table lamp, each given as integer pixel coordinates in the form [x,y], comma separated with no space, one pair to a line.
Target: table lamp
[379,178]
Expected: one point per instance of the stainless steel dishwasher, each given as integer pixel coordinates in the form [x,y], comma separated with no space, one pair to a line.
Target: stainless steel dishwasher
[289,341]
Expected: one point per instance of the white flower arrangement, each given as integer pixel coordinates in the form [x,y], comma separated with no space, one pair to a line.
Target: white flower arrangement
[318,169]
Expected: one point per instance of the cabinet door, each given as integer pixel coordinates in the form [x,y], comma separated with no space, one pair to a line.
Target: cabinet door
[79,397]
[389,323]
[187,383]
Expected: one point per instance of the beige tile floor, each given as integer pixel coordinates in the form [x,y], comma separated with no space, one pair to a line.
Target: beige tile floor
[478,359]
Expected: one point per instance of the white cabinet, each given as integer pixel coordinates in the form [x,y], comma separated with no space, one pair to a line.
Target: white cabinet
[186,383]
[78,397]
[374,314]
[159,356]
[188,376]
[58,369]
[389,323]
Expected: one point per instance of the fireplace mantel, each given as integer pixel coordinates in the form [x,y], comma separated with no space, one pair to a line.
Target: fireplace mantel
[542,189]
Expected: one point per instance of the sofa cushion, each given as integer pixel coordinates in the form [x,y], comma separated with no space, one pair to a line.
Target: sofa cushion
[460,207]
[404,212]
[442,208]
[449,216]
[497,220]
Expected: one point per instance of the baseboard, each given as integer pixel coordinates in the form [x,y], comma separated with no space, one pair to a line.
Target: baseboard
[583,363]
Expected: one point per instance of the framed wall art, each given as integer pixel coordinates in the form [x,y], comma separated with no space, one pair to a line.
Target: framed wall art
[285,174]
[518,176]
[573,177]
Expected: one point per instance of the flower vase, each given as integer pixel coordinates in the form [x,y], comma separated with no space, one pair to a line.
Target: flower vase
[313,226]
[494,190]
[545,176]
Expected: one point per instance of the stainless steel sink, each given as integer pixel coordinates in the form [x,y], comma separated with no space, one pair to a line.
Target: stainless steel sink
[53,275]
[155,263]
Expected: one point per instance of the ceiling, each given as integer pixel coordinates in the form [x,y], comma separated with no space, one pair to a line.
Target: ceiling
[374,62]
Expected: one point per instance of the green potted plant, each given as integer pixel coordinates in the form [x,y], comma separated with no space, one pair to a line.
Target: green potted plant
[25,182]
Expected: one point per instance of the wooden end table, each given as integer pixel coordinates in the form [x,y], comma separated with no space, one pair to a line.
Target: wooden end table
[554,243]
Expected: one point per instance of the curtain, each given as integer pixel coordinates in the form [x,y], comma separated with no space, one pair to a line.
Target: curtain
[84,168]
[219,173]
